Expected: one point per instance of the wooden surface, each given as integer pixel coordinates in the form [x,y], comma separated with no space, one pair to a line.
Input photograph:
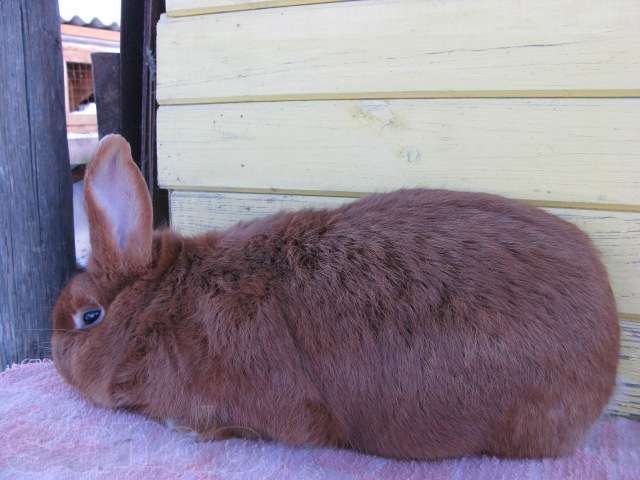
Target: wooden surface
[580,150]
[106,88]
[373,48]
[88,32]
[81,123]
[148,147]
[617,235]
[77,53]
[138,81]
[626,400]
[36,229]
[197,212]
[181,8]
[131,68]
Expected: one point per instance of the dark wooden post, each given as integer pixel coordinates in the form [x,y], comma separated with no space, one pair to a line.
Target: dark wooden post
[106,88]
[148,153]
[138,74]
[36,221]
[131,36]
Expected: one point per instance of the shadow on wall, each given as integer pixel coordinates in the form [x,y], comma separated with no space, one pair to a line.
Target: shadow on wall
[80,225]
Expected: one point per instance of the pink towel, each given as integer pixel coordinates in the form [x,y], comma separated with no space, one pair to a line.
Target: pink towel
[49,432]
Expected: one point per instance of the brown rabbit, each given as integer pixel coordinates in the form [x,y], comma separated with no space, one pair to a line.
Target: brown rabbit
[417,324]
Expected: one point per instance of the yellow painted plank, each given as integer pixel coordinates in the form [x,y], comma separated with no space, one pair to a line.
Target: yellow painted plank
[303,97]
[580,151]
[626,400]
[415,47]
[616,235]
[182,8]
[197,212]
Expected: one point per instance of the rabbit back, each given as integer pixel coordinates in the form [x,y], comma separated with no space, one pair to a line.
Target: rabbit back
[438,323]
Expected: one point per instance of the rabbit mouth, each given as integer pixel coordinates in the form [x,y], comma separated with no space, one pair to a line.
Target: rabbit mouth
[60,353]
[66,359]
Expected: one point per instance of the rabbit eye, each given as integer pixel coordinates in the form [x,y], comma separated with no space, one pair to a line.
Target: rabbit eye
[88,318]
[91,316]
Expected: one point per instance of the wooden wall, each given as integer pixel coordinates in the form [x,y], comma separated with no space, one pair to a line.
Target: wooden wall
[268,105]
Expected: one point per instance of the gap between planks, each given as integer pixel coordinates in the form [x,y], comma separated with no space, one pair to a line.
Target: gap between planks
[426,94]
[629,317]
[610,207]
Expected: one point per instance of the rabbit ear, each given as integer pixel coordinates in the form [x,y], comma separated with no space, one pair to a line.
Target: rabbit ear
[118,208]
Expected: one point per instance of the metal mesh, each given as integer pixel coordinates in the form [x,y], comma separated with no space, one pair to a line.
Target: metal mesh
[80,84]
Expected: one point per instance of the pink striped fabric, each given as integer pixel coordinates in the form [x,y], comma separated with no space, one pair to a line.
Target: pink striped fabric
[49,432]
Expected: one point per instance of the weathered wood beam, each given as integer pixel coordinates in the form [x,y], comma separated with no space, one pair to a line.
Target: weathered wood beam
[138,90]
[36,222]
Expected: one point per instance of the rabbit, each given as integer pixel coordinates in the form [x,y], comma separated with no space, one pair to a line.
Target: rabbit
[417,324]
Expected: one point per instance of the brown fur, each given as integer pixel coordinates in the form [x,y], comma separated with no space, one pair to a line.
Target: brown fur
[416,324]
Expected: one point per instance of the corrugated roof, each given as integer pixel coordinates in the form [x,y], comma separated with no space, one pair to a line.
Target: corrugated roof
[94,23]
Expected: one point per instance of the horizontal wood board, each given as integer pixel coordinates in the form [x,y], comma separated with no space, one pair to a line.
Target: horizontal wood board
[626,399]
[181,8]
[393,49]
[195,212]
[549,150]
[615,234]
